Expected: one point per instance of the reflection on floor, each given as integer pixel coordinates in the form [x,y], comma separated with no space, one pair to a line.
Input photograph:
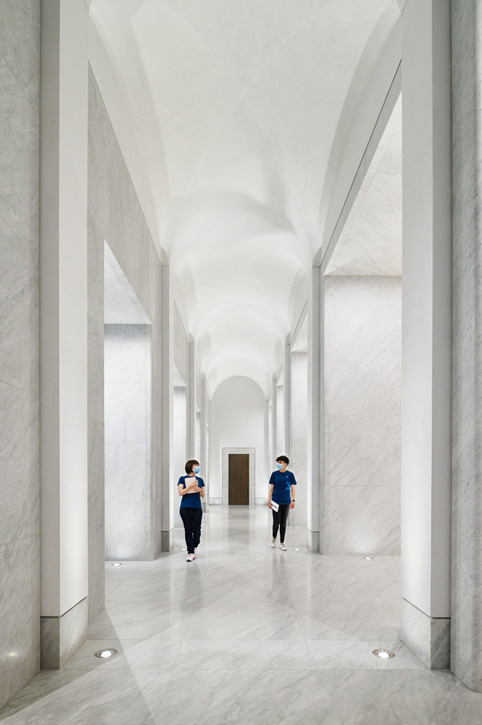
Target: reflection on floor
[247,634]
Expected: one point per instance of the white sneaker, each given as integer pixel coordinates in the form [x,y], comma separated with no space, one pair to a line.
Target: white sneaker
[273,543]
[283,547]
[190,557]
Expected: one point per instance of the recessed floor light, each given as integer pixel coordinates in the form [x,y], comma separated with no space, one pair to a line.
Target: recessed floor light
[183,548]
[117,563]
[296,549]
[368,558]
[104,654]
[384,654]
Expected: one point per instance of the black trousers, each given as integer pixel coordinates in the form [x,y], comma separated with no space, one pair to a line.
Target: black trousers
[280,517]
[191,518]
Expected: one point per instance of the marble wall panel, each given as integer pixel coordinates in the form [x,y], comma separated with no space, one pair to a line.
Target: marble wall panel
[362,380]
[279,424]
[181,347]
[19,465]
[95,353]
[427,637]
[362,388]
[115,216]
[20,609]
[466,634]
[179,441]
[368,461]
[62,636]
[19,345]
[127,441]
[18,312]
[19,141]
[363,520]
[299,433]
[96,508]
[20,45]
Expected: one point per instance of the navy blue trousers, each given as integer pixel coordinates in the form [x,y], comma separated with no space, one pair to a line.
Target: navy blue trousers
[191,518]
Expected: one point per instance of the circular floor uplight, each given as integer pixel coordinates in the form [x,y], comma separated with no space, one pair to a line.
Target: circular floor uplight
[368,558]
[105,654]
[296,549]
[384,654]
[116,563]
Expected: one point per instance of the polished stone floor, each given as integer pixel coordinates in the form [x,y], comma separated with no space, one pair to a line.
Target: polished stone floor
[247,634]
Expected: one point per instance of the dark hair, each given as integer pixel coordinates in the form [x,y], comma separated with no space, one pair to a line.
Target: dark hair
[285,459]
[190,464]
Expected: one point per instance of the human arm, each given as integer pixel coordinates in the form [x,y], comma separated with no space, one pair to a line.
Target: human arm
[191,488]
[293,496]
[270,494]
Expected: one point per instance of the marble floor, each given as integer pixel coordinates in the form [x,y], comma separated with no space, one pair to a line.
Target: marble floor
[247,634]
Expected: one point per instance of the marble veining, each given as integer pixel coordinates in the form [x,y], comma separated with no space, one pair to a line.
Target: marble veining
[62,636]
[115,221]
[427,637]
[260,635]
[127,440]
[362,388]
[19,344]
[299,433]
[466,630]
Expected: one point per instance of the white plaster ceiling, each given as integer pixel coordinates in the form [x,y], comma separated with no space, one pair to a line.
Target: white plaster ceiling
[235,107]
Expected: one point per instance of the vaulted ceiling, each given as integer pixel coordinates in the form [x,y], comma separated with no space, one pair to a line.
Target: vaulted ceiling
[242,112]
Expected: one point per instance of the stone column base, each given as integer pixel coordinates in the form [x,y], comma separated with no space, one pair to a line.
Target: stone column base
[61,637]
[167,540]
[427,637]
[313,540]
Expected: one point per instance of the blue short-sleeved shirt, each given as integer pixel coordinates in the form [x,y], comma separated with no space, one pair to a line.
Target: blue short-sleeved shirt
[191,500]
[282,483]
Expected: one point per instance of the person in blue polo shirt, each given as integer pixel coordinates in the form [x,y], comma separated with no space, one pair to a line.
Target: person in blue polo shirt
[191,489]
[282,493]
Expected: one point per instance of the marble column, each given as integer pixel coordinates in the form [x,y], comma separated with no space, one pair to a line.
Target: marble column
[426,331]
[466,644]
[167,417]
[287,400]
[191,402]
[280,426]
[204,437]
[274,416]
[63,329]
[315,409]
[19,345]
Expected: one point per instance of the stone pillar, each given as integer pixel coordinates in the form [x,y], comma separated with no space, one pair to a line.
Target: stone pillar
[426,330]
[204,438]
[315,409]
[274,414]
[267,452]
[287,400]
[63,329]
[191,402]
[167,411]
[466,645]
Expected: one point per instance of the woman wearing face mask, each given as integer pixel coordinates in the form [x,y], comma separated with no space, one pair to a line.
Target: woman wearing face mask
[191,490]
[281,492]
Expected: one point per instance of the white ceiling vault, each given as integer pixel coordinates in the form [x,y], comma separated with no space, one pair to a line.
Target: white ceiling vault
[236,108]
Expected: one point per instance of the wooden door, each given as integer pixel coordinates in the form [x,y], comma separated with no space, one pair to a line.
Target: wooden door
[238,476]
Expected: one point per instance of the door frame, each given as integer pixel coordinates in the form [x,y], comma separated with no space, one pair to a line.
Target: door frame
[252,472]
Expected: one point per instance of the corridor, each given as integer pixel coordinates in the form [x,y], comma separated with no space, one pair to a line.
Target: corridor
[247,634]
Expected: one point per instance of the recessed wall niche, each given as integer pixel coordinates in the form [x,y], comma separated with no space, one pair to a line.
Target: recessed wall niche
[127,385]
